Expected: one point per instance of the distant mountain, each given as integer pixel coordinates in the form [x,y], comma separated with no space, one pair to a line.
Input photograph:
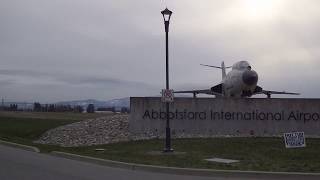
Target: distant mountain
[122,102]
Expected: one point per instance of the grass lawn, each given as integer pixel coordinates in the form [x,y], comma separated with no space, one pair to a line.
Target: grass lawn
[24,127]
[259,154]
[264,154]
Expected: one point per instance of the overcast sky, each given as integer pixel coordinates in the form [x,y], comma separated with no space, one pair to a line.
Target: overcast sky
[104,49]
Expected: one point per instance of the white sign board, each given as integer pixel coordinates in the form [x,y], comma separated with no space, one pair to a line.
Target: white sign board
[294,139]
[167,95]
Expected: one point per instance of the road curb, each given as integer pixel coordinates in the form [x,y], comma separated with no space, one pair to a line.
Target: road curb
[187,171]
[20,146]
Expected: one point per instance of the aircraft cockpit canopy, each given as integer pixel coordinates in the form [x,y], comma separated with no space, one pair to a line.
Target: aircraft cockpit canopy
[241,65]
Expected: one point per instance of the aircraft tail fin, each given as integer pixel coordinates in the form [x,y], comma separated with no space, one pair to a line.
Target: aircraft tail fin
[223,68]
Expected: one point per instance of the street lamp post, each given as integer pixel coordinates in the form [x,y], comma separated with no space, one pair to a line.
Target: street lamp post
[166,17]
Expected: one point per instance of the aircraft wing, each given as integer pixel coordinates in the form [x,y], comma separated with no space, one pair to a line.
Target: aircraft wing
[203,91]
[277,92]
[269,93]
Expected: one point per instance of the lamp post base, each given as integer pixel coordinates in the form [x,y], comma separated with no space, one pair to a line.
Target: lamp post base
[168,150]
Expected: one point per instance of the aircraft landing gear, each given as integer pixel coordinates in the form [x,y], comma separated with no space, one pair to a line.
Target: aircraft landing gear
[268,95]
[246,94]
[194,95]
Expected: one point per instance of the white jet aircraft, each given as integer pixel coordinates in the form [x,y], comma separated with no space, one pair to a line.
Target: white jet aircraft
[241,81]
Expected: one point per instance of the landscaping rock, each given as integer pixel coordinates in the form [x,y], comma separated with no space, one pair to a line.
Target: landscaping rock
[103,130]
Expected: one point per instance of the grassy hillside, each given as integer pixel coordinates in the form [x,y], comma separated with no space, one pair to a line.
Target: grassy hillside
[28,126]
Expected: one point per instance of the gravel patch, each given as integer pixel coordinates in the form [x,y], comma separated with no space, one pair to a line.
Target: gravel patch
[103,130]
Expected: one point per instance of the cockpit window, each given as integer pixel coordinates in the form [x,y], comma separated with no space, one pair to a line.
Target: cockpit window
[241,65]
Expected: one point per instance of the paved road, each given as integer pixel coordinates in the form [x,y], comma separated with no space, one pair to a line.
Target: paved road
[16,164]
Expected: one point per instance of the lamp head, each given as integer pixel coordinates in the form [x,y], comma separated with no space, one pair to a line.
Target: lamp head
[166,14]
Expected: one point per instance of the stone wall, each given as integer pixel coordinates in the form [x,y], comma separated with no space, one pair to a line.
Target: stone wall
[210,117]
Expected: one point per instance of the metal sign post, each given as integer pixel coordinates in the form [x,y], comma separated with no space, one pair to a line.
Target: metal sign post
[167,95]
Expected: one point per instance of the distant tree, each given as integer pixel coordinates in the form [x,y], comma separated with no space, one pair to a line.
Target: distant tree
[112,109]
[90,108]
[13,107]
[124,110]
[51,108]
[37,107]
[78,109]
[45,108]
[101,109]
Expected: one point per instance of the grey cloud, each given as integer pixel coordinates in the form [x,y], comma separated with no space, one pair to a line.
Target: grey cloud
[116,48]
[94,80]
[70,78]
[21,72]
[6,82]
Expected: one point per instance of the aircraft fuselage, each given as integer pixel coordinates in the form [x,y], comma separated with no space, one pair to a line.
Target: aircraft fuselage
[241,81]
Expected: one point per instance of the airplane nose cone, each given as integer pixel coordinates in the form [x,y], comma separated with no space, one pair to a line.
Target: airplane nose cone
[250,78]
